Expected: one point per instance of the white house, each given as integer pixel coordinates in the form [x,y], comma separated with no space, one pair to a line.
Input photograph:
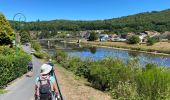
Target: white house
[103,37]
[142,37]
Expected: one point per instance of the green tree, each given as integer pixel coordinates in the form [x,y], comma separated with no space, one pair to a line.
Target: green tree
[25,37]
[152,40]
[6,32]
[93,36]
[134,39]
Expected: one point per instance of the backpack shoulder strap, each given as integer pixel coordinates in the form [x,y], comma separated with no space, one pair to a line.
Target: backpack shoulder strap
[39,81]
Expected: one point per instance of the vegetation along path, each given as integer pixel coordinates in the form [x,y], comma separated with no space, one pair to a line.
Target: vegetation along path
[75,88]
[23,88]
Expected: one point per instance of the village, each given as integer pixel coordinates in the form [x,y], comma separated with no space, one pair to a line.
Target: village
[125,36]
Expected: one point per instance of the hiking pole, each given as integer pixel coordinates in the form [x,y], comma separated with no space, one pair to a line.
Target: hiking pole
[61,97]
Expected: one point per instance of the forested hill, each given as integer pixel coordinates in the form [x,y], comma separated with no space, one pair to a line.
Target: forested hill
[158,21]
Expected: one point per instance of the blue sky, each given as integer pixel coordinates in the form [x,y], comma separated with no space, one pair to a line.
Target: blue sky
[79,9]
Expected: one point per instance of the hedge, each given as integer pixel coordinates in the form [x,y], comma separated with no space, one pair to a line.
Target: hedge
[12,66]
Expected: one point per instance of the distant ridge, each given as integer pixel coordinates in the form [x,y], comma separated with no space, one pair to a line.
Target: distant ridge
[155,20]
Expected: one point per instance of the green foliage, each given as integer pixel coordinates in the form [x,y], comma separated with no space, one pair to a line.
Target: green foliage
[6,32]
[125,81]
[152,40]
[60,56]
[93,36]
[35,45]
[158,21]
[39,55]
[125,91]
[25,37]
[12,66]
[134,39]
[153,83]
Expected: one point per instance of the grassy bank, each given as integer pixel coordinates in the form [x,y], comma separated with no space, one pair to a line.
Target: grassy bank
[160,47]
[39,53]
[129,81]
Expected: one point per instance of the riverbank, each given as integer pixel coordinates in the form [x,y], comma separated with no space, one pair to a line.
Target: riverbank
[130,80]
[76,88]
[161,48]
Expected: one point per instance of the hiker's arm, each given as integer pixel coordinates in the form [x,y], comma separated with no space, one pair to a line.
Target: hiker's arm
[55,87]
[36,87]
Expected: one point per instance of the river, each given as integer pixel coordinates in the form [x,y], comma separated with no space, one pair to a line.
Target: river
[98,53]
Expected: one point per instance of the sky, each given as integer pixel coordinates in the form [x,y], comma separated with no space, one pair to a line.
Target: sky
[78,9]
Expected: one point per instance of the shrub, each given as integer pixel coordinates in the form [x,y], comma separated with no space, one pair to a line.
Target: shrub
[152,41]
[12,66]
[125,91]
[93,36]
[36,45]
[153,83]
[134,39]
[60,56]
[41,54]
[126,80]
[25,37]
[6,51]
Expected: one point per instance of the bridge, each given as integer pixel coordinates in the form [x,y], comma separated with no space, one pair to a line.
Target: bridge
[61,39]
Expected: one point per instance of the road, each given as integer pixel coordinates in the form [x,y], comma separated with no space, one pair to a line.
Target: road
[23,88]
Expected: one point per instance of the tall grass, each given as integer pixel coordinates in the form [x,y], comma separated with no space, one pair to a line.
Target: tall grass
[125,81]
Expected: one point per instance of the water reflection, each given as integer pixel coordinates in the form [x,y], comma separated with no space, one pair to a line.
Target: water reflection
[93,50]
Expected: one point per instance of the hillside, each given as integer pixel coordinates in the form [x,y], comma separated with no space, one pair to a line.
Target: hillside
[159,21]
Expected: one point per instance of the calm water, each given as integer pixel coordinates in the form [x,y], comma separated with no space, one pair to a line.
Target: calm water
[100,53]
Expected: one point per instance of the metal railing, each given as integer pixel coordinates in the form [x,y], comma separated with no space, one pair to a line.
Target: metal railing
[59,89]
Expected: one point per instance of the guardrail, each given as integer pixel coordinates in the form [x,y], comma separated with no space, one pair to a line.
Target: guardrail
[59,89]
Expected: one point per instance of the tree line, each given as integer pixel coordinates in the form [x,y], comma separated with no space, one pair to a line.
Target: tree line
[158,21]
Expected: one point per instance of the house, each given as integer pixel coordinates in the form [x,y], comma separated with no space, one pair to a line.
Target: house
[166,36]
[151,33]
[98,31]
[112,37]
[127,35]
[167,33]
[84,34]
[142,37]
[103,37]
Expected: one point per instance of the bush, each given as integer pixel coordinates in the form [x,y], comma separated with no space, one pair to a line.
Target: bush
[134,39]
[153,83]
[125,91]
[7,51]
[25,37]
[60,56]
[126,80]
[12,66]
[152,41]
[41,54]
[93,36]
[36,46]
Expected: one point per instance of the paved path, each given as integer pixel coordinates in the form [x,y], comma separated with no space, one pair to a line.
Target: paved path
[23,88]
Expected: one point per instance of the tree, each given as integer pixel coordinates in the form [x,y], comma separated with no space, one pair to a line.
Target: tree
[152,40]
[134,39]
[25,37]
[92,36]
[6,32]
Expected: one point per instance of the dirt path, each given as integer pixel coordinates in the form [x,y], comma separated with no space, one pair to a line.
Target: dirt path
[74,88]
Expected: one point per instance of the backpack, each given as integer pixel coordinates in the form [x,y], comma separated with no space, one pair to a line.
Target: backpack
[45,91]
[30,65]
